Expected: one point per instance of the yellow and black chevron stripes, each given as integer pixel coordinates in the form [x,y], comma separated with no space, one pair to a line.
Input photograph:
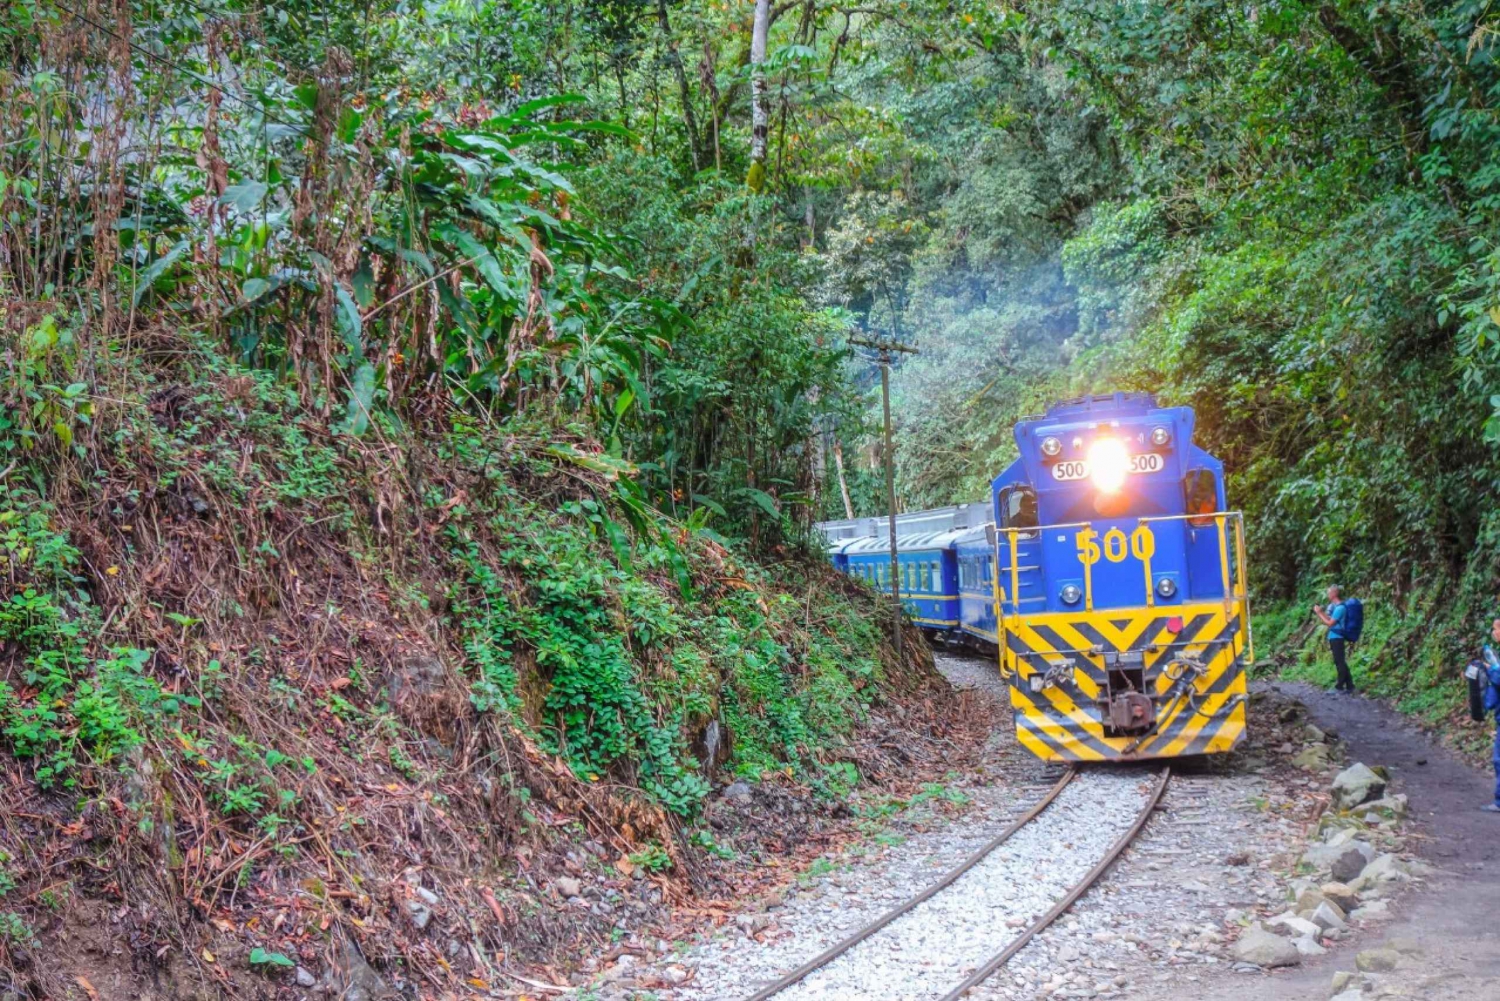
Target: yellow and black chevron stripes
[1064,721]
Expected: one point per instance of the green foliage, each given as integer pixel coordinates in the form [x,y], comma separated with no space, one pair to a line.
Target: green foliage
[635,664]
[15,931]
[71,704]
[653,858]
[269,960]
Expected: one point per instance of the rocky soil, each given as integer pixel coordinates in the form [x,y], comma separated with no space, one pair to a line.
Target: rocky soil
[1256,862]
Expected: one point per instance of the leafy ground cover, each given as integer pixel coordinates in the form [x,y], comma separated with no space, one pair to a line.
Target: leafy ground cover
[272,690]
[1411,656]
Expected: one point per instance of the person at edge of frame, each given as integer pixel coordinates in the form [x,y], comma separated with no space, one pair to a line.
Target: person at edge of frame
[1490,664]
[1333,618]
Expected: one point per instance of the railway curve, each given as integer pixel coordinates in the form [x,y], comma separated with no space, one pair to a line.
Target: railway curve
[998,895]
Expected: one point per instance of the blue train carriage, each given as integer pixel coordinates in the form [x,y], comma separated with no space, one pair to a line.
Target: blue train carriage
[928,575]
[838,553]
[974,552]
[1124,619]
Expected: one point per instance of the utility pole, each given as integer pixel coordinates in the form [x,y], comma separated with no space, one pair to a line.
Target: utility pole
[884,350]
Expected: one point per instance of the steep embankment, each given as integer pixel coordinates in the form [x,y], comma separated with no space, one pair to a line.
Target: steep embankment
[277,698]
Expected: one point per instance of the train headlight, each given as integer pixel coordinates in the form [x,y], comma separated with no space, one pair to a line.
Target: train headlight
[1070,594]
[1160,436]
[1051,447]
[1166,587]
[1109,463]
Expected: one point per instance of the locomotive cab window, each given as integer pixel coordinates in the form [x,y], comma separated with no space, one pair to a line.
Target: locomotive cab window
[1018,509]
[1201,494]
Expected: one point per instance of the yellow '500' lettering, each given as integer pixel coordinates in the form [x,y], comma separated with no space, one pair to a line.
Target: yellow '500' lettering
[1141,545]
[1114,545]
[1088,549]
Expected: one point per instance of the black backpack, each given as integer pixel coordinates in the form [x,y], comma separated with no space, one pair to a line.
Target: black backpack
[1479,680]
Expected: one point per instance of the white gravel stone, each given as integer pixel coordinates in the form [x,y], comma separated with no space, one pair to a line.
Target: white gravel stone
[929,950]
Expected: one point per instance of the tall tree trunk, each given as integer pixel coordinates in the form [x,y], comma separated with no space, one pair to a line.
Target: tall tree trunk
[689,118]
[760,119]
[624,101]
[838,463]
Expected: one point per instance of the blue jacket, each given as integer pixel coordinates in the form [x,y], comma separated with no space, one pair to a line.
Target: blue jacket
[1492,690]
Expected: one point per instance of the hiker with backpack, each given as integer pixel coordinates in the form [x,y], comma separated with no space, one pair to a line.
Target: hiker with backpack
[1484,699]
[1345,620]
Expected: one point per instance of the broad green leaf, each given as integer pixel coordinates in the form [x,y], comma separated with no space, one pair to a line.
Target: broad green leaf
[245,196]
[484,262]
[348,321]
[623,402]
[156,269]
[361,399]
[363,281]
[618,541]
[491,213]
[763,500]
[711,504]
[610,467]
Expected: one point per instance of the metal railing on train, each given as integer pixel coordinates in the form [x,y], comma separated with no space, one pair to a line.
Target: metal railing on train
[1008,606]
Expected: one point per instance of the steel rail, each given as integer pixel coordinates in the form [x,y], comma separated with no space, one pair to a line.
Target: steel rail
[1079,889]
[834,951]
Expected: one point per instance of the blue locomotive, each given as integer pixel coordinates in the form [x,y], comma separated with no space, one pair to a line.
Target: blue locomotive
[1109,576]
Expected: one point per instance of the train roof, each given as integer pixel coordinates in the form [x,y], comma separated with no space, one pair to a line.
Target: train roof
[938,519]
[915,542]
[969,536]
[1099,405]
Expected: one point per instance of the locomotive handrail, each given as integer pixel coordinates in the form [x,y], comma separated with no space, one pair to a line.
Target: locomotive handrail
[1233,587]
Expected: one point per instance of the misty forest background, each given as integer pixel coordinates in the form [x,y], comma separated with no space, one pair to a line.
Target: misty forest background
[655,223]
[1283,214]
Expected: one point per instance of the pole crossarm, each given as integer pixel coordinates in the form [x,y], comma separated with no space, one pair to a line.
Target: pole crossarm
[884,345]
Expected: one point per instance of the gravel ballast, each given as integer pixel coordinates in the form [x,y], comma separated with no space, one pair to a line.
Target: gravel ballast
[928,951]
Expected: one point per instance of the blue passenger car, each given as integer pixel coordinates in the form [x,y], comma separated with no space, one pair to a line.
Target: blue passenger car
[974,554]
[838,553]
[928,575]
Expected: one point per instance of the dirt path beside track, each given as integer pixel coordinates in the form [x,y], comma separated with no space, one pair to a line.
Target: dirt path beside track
[1453,919]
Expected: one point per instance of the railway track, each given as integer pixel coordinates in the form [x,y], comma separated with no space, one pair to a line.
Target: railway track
[954,875]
